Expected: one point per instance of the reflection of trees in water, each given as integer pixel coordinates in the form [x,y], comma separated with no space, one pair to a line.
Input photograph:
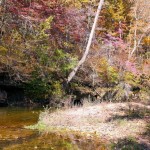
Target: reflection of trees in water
[55,140]
[9,142]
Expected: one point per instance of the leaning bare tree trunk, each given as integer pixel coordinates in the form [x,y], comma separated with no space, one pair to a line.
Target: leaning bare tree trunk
[72,74]
[137,43]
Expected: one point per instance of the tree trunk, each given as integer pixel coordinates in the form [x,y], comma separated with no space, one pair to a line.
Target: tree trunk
[72,74]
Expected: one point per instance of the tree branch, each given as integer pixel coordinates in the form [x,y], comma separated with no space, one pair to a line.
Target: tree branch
[72,74]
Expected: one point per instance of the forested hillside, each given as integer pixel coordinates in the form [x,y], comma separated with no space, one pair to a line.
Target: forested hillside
[42,41]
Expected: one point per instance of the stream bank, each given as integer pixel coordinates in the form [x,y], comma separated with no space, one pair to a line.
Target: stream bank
[117,122]
[14,135]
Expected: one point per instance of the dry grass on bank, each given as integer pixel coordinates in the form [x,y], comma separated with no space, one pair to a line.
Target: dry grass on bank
[112,121]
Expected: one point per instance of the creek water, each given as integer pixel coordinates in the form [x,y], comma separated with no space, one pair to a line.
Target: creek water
[13,135]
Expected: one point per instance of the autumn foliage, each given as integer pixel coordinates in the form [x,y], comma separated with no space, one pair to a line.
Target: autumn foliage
[42,40]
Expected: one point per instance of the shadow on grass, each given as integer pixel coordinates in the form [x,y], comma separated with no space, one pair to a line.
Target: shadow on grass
[146,134]
[129,144]
[132,113]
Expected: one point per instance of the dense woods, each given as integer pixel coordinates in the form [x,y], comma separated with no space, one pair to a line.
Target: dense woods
[42,41]
[75,74]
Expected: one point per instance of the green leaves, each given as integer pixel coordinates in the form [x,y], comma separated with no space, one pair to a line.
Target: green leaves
[107,72]
[44,27]
[64,61]
[3,50]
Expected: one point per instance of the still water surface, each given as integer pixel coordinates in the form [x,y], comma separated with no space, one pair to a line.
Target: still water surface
[13,135]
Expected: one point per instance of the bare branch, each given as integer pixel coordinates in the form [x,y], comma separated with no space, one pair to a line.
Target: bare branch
[72,74]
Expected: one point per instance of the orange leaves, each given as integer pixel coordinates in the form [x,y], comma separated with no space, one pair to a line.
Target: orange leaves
[146,41]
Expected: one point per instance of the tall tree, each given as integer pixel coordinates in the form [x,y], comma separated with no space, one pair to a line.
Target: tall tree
[140,26]
[72,74]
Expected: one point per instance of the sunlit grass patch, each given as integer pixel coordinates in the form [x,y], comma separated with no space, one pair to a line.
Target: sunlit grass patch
[111,121]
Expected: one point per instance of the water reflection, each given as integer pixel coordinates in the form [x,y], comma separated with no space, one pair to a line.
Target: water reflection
[12,122]
[13,136]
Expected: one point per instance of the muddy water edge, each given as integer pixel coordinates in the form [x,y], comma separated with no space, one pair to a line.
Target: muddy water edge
[13,135]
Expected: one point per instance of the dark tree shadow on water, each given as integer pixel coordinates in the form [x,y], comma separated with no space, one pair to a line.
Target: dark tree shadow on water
[129,144]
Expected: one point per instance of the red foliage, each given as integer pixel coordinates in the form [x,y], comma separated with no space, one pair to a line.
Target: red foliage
[35,11]
[67,22]
[131,67]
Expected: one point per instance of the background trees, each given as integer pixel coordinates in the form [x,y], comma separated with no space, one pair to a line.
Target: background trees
[42,41]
